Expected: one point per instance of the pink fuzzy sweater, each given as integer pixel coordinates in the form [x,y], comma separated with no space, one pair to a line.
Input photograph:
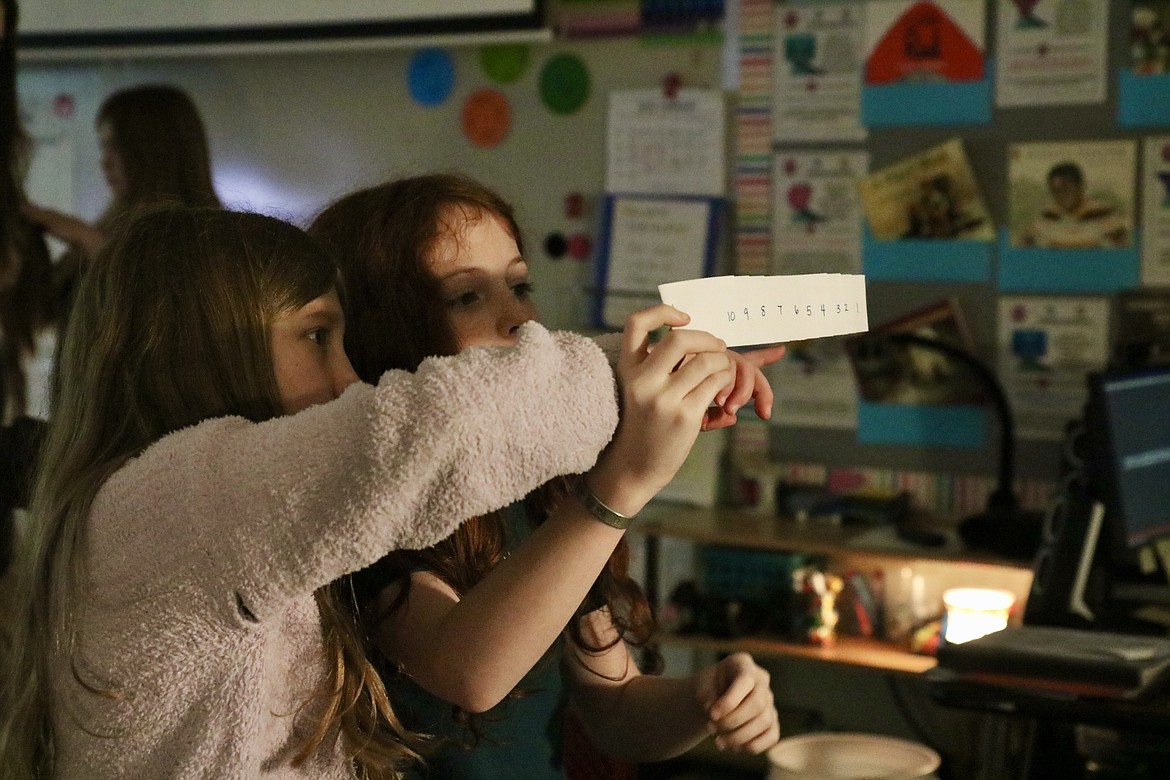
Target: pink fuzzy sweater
[204,551]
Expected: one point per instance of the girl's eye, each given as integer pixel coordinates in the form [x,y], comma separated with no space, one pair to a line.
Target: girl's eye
[319,336]
[522,290]
[466,299]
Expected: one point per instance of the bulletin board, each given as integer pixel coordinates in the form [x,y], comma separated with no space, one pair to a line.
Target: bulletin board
[987,279]
[291,132]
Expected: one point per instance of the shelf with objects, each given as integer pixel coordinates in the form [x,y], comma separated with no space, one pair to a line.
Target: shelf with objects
[743,598]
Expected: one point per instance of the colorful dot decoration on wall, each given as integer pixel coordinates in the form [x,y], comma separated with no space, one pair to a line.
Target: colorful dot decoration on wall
[505,62]
[487,117]
[430,76]
[555,245]
[580,245]
[564,83]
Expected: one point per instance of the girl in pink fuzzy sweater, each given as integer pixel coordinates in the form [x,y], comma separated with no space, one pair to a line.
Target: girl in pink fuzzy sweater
[211,463]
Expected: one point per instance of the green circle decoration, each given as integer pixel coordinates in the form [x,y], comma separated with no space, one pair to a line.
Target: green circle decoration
[564,83]
[504,62]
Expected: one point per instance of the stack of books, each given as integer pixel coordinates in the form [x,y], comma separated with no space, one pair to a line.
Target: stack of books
[1069,661]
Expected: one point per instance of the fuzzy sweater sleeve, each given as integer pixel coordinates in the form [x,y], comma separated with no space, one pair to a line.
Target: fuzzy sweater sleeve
[253,515]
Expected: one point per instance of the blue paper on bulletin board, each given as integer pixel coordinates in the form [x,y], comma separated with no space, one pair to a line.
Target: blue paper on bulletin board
[1035,269]
[942,103]
[925,259]
[959,426]
[1143,100]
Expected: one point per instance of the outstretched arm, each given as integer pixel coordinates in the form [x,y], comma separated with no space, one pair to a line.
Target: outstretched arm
[73,231]
[472,651]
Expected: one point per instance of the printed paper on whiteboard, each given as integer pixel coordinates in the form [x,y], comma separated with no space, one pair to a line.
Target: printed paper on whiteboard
[744,310]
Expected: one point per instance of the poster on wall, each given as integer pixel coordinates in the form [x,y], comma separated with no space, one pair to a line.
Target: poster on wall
[816,227]
[660,145]
[924,63]
[1070,218]
[817,73]
[647,241]
[814,385]
[931,195]
[1072,194]
[1143,95]
[1051,52]
[1047,344]
[1156,210]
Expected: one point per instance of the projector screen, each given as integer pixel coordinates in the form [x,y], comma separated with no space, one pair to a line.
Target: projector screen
[46,24]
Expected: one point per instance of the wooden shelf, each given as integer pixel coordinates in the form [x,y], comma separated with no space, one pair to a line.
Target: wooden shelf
[852,651]
[731,527]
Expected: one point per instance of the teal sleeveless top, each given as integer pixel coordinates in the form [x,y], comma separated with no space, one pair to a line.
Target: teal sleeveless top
[518,738]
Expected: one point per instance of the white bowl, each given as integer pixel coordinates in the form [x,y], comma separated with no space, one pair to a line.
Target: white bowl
[829,756]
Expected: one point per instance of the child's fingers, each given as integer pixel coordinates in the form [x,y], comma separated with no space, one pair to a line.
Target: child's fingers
[755,736]
[636,333]
[704,375]
[676,345]
[764,355]
[741,687]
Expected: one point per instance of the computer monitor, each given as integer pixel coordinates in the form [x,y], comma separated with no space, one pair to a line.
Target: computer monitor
[1091,570]
[1132,444]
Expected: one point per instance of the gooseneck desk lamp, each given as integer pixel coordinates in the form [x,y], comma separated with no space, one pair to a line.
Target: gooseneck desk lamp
[1004,527]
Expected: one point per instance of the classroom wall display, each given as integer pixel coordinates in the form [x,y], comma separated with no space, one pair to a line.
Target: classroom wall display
[1051,52]
[486,117]
[649,240]
[937,397]
[813,384]
[658,144]
[903,273]
[926,218]
[1047,344]
[564,83]
[925,63]
[1071,217]
[430,76]
[1155,231]
[817,222]
[1143,98]
[288,135]
[504,63]
[752,185]
[817,79]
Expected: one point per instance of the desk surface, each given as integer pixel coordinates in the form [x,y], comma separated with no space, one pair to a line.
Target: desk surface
[1149,714]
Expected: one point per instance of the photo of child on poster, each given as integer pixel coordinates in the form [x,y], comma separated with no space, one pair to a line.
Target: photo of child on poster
[930,195]
[1072,195]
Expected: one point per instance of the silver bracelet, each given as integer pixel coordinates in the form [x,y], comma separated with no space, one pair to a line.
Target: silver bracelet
[596,507]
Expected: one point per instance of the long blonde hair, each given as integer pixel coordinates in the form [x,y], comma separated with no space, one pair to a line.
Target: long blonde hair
[171,327]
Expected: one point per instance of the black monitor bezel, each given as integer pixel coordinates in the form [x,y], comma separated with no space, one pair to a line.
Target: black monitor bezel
[1102,462]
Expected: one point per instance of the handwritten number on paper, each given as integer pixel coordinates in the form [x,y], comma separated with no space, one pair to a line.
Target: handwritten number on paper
[807,310]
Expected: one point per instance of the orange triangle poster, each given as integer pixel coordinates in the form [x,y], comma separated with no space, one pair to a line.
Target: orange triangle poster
[923,44]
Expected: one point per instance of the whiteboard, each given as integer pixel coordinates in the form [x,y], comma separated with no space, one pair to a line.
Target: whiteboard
[69,23]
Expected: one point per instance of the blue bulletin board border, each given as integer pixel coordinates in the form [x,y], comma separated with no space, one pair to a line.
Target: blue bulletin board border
[1034,269]
[925,259]
[958,426]
[945,103]
[716,216]
[1143,100]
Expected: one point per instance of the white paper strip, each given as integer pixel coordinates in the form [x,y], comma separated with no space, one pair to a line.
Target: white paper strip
[744,310]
